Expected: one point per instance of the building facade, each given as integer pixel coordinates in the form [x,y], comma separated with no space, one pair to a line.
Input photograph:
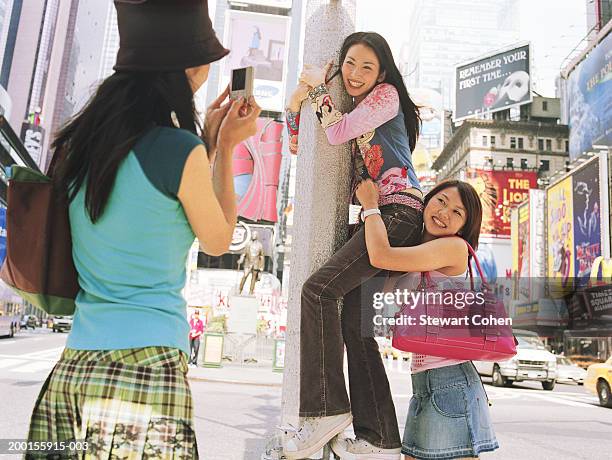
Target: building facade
[505,146]
[444,33]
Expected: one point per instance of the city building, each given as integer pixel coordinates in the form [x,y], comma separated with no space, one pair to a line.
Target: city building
[444,33]
[599,13]
[535,143]
[6,7]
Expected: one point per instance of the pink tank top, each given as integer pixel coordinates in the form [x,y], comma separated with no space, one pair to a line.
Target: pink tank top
[420,362]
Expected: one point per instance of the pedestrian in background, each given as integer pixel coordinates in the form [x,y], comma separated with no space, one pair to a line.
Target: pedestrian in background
[140,185]
[195,335]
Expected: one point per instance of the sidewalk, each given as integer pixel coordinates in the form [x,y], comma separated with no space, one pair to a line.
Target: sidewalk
[235,373]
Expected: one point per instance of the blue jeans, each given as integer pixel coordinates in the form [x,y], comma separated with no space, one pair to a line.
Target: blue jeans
[325,331]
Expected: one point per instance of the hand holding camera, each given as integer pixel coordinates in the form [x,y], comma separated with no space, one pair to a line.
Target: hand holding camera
[237,127]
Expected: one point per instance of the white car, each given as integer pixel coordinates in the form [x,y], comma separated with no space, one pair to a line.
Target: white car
[531,362]
[568,372]
[62,323]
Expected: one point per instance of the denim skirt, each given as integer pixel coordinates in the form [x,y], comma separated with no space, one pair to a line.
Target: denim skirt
[448,415]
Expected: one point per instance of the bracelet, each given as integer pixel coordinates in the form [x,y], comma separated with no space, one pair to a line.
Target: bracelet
[317,91]
[369,212]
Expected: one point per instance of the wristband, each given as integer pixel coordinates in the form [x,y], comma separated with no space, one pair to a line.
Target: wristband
[369,212]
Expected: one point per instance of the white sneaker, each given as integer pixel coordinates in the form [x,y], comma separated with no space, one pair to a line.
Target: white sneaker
[313,434]
[360,449]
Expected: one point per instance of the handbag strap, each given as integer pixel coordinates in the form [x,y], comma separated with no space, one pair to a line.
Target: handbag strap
[426,277]
[58,155]
[485,284]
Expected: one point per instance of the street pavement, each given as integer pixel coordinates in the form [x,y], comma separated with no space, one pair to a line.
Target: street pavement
[234,420]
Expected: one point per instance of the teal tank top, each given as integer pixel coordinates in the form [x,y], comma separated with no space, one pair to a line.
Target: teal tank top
[132,262]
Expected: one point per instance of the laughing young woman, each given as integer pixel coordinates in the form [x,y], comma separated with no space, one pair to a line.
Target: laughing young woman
[383,128]
[448,417]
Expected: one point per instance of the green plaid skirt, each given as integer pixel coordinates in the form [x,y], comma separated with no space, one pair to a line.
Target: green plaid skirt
[123,404]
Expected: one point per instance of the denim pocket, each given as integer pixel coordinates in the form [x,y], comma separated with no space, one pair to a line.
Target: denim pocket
[450,401]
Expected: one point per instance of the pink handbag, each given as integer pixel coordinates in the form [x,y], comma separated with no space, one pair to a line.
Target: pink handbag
[445,334]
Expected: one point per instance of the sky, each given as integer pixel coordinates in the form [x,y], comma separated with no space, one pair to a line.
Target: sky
[554,28]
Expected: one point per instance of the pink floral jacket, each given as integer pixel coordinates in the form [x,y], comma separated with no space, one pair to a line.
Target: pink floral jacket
[376,125]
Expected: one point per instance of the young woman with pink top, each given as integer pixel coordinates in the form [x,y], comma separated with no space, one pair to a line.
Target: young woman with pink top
[382,128]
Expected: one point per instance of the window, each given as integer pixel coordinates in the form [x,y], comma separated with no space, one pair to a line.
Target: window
[549,144]
[484,141]
[544,165]
[520,142]
[567,146]
[513,142]
[510,162]
[540,144]
[524,164]
[492,141]
[545,106]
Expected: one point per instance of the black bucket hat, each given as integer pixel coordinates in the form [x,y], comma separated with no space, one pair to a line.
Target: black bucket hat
[165,35]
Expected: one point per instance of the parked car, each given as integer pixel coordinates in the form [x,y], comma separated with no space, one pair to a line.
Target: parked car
[531,362]
[599,381]
[62,323]
[29,321]
[568,372]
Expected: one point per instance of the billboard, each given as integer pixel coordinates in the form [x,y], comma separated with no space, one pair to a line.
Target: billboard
[256,164]
[33,136]
[260,41]
[499,191]
[587,220]
[537,219]
[588,94]
[493,83]
[559,217]
[2,234]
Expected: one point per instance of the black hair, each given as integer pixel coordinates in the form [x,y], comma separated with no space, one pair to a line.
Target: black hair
[470,231]
[94,143]
[381,48]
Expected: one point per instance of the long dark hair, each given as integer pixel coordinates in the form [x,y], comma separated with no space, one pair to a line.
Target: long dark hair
[381,48]
[470,231]
[96,140]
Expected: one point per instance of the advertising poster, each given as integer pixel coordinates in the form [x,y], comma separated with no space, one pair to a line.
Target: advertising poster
[589,98]
[257,163]
[2,234]
[499,191]
[514,241]
[494,83]
[524,263]
[523,245]
[537,252]
[259,41]
[33,137]
[560,260]
[587,220]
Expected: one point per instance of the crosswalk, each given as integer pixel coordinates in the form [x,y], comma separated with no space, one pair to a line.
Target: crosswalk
[30,363]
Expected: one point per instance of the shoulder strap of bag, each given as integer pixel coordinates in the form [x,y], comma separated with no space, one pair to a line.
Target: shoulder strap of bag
[426,277]
[485,284]
[58,155]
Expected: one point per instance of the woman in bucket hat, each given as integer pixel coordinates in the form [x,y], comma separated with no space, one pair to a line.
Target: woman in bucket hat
[142,181]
